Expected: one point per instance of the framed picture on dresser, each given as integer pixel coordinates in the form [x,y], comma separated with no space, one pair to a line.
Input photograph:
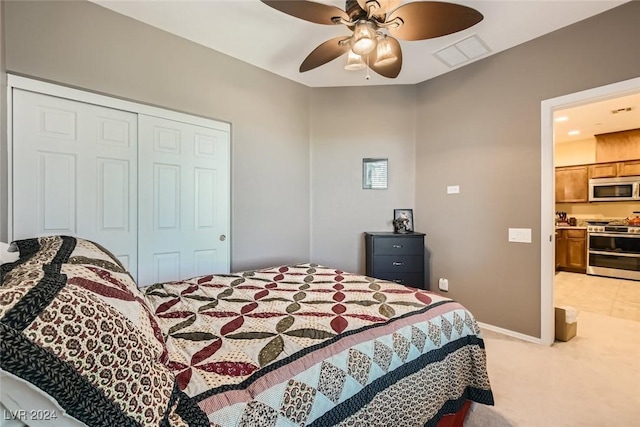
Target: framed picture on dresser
[403,221]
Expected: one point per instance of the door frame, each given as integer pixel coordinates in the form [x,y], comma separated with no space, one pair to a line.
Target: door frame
[547,197]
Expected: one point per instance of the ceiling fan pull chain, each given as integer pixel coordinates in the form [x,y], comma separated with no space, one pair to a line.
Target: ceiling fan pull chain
[367,77]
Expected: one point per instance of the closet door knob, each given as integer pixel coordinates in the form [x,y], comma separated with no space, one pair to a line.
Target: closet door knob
[223,237]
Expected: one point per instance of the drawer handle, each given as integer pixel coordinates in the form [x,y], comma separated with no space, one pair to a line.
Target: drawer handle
[399,281]
[397,246]
[397,263]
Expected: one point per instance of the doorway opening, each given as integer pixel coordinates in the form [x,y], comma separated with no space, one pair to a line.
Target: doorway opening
[547,226]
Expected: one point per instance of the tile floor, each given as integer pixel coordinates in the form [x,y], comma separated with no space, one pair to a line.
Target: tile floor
[613,297]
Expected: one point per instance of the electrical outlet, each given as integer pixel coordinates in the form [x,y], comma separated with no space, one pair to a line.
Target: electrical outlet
[453,189]
[443,284]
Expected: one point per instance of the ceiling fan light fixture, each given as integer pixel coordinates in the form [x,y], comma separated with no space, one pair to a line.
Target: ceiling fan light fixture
[384,53]
[354,62]
[364,39]
[371,20]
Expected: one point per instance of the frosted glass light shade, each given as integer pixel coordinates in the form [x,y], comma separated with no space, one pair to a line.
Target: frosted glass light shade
[364,38]
[354,62]
[384,54]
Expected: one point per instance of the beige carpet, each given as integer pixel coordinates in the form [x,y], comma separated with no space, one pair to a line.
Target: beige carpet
[593,380]
[485,416]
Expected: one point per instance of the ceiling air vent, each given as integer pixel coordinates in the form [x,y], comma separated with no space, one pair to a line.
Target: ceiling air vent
[622,110]
[462,51]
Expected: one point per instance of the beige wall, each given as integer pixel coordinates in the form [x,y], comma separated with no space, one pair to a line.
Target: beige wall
[366,122]
[479,127]
[575,152]
[604,210]
[84,45]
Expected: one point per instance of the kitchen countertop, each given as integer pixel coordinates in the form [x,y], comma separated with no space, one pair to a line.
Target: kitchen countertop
[582,223]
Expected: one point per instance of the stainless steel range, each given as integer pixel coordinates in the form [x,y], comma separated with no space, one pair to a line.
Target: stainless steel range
[614,251]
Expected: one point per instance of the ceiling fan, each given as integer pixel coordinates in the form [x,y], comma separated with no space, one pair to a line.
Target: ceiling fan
[373,23]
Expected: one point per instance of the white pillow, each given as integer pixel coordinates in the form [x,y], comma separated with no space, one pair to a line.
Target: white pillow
[8,253]
[22,401]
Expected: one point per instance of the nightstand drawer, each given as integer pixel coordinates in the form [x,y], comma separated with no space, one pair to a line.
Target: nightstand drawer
[398,246]
[385,263]
[396,257]
[415,280]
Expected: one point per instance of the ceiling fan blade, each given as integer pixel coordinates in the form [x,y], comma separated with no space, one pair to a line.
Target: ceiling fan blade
[389,70]
[381,7]
[308,10]
[429,19]
[327,51]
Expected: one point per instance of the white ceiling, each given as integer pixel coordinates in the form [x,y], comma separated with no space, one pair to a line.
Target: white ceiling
[597,117]
[259,35]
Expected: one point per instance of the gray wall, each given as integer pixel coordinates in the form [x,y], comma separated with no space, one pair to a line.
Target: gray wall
[366,122]
[84,45]
[3,133]
[479,127]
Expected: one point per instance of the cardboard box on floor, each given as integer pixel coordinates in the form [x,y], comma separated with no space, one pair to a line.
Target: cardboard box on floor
[564,331]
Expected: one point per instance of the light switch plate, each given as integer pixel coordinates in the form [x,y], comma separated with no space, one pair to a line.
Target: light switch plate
[520,235]
[453,189]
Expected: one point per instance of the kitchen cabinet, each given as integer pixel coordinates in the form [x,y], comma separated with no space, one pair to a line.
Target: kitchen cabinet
[629,168]
[571,250]
[618,146]
[603,170]
[396,257]
[561,250]
[572,184]
[614,169]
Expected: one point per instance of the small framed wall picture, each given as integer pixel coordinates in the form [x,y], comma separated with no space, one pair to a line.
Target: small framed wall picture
[374,174]
[403,221]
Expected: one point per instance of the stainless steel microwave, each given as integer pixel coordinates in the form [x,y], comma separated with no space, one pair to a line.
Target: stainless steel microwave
[614,189]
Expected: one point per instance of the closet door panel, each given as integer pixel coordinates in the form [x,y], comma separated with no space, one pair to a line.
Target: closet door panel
[166,197]
[56,189]
[113,194]
[205,198]
[74,172]
[184,200]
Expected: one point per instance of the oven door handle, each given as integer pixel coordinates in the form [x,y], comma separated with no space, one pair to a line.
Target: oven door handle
[622,235]
[614,254]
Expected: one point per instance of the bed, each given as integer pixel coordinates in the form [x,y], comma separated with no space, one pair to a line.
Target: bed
[302,345]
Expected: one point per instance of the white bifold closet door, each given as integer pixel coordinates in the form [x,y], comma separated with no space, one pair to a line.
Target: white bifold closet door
[154,191]
[183,210]
[74,172]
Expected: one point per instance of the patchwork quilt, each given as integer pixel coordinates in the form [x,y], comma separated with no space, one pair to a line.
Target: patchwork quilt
[310,345]
[299,345]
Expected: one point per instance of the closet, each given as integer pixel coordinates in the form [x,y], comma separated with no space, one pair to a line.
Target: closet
[151,185]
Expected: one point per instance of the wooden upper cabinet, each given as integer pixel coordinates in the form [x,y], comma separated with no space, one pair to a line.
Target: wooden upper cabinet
[612,170]
[603,170]
[631,168]
[572,184]
[617,155]
[618,146]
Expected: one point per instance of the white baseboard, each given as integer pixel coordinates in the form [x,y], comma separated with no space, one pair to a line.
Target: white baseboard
[513,334]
